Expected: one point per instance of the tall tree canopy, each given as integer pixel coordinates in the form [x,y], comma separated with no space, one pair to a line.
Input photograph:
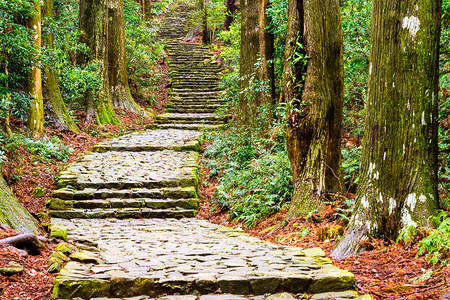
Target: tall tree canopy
[398,181]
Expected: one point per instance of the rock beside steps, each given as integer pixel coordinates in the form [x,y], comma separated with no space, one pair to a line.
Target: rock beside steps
[195,93]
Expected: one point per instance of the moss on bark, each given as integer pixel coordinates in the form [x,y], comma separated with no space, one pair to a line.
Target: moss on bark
[398,181]
[58,112]
[13,214]
[93,23]
[314,95]
[117,65]
[35,122]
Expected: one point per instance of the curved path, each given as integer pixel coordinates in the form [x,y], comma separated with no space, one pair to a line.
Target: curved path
[128,210]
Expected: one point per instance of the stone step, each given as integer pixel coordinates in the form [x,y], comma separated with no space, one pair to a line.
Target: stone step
[197,94]
[213,103]
[190,81]
[191,118]
[195,89]
[116,203]
[189,126]
[179,105]
[191,110]
[346,295]
[153,140]
[119,170]
[125,213]
[128,191]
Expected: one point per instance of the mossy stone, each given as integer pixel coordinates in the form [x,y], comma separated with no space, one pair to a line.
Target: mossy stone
[54,265]
[129,287]
[60,256]
[38,192]
[296,283]
[235,285]
[334,280]
[85,257]
[264,285]
[12,269]
[64,288]
[58,204]
[64,248]
[58,232]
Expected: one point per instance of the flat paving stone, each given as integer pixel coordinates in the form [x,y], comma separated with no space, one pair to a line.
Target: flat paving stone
[99,169]
[152,140]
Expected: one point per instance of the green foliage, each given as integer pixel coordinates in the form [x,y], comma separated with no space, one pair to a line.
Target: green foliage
[356,28]
[232,40]
[436,246]
[351,158]
[278,18]
[158,7]
[17,53]
[255,178]
[215,13]
[143,52]
[345,210]
[45,148]
[74,80]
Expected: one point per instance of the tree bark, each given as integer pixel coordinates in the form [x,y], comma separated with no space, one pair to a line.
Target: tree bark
[313,89]
[58,112]
[117,61]
[231,9]
[13,214]
[256,83]
[398,181]
[204,10]
[148,10]
[7,125]
[35,123]
[266,48]
[93,23]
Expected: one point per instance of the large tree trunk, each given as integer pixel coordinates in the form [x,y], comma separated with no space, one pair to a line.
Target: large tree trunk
[229,17]
[35,123]
[266,48]
[13,214]
[398,181]
[204,10]
[314,94]
[148,10]
[58,112]
[255,44]
[117,61]
[93,23]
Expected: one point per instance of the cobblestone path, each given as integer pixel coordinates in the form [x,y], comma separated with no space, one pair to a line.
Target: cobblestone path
[128,208]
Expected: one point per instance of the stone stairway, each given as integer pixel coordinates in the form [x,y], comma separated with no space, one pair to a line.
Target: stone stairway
[127,210]
[136,176]
[176,21]
[195,94]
